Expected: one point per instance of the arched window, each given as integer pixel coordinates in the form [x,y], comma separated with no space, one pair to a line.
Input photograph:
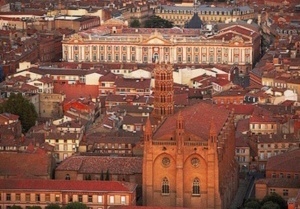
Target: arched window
[196,187]
[165,188]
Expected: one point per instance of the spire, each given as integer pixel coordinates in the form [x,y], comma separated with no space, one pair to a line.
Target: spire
[148,130]
[179,121]
[212,131]
[179,132]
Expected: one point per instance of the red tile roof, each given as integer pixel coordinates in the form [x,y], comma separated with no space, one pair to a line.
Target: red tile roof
[196,120]
[76,91]
[285,162]
[67,185]
[181,99]
[241,109]
[97,164]
[279,182]
[261,115]
[243,125]
[241,142]
[221,82]
[109,77]
[133,83]
[25,165]
[9,116]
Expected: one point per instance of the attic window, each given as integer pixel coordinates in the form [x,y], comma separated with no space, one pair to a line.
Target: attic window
[67,177]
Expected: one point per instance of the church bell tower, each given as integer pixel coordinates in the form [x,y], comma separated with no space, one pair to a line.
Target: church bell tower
[163,93]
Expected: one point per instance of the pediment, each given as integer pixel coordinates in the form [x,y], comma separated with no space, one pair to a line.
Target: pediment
[156,38]
[237,39]
[76,38]
[155,41]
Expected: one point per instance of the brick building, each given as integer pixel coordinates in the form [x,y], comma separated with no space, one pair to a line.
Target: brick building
[94,194]
[181,165]
[282,176]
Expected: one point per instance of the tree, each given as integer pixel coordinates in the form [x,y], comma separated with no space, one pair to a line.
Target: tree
[18,105]
[75,205]
[107,176]
[270,205]
[252,204]
[102,176]
[275,198]
[135,23]
[53,206]
[35,207]
[16,207]
[158,22]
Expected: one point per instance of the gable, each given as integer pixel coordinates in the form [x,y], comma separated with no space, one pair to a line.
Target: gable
[155,41]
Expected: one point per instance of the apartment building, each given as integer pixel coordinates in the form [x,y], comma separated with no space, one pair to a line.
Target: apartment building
[282,176]
[181,14]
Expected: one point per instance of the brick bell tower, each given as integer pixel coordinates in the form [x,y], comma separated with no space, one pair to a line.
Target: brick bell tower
[163,92]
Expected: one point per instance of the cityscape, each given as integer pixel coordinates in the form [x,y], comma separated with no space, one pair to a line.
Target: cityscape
[149,104]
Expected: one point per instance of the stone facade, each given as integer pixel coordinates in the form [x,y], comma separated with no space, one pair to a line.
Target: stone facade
[231,45]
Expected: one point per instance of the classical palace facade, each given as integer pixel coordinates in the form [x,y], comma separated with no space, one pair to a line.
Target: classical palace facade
[115,43]
[179,15]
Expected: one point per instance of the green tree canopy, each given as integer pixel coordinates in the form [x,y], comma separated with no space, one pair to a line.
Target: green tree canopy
[135,23]
[158,22]
[102,175]
[252,204]
[35,207]
[275,198]
[16,207]
[107,176]
[18,105]
[53,206]
[270,205]
[75,205]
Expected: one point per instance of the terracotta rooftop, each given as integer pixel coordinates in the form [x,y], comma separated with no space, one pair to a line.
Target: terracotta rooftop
[67,185]
[243,125]
[241,142]
[25,165]
[76,91]
[261,115]
[97,164]
[133,83]
[285,162]
[275,138]
[9,116]
[241,109]
[280,182]
[196,119]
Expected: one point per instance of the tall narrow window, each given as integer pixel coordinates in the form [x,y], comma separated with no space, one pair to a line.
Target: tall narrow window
[196,187]
[165,190]
[79,198]
[8,197]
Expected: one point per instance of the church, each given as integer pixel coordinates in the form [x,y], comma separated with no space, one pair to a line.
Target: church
[189,157]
